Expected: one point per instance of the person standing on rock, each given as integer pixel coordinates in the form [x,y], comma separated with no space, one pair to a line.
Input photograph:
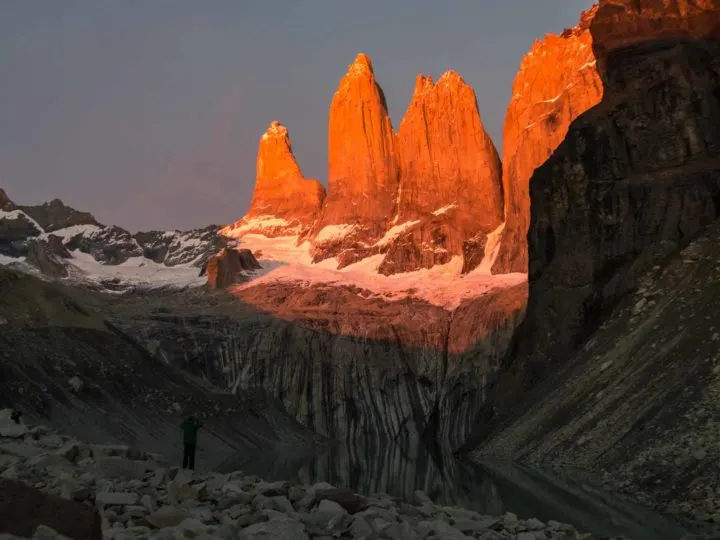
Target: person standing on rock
[15,416]
[190,427]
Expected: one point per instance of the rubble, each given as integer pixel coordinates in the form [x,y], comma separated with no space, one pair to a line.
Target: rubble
[139,495]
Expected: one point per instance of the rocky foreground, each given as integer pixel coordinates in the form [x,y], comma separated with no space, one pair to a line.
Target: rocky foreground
[53,486]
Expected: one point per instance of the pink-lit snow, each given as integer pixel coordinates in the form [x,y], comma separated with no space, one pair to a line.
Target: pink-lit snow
[443,285]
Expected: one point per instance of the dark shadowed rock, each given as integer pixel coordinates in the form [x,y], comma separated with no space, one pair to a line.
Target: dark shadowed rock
[172,248]
[47,255]
[598,380]
[23,508]
[5,203]
[15,228]
[636,178]
[108,245]
[350,501]
[56,215]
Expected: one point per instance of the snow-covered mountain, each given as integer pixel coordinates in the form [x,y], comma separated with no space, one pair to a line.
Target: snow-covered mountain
[62,242]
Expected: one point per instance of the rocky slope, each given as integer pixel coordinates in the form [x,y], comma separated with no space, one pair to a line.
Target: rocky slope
[636,180]
[284,202]
[126,493]
[62,242]
[65,366]
[635,404]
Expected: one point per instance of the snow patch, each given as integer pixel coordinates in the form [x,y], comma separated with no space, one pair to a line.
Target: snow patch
[136,271]
[332,233]
[492,248]
[553,100]
[276,129]
[444,209]
[395,231]
[441,285]
[6,260]
[284,261]
[12,215]
[266,222]
[183,241]
[76,230]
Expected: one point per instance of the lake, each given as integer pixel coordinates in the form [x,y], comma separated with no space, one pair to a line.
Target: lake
[490,488]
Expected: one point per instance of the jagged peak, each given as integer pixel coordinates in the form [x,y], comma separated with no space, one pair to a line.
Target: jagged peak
[452,77]
[423,84]
[362,65]
[5,202]
[275,130]
[586,18]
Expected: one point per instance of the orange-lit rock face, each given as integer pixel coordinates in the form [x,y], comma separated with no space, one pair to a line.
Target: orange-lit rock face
[284,202]
[622,23]
[352,311]
[558,80]
[447,157]
[363,164]
[450,175]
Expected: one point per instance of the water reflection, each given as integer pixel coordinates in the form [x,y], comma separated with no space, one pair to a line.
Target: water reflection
[489,489]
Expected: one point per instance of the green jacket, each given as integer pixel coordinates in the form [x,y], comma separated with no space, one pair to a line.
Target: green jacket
[190,428]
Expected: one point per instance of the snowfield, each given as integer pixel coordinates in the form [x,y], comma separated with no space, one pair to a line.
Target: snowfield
[286,262]
[283,260]
[135,272]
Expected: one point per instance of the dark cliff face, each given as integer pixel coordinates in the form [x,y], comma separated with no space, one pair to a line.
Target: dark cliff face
[636,180]
[347,366]
[55,215]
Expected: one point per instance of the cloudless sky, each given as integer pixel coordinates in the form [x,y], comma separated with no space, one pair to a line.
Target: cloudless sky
[147,113]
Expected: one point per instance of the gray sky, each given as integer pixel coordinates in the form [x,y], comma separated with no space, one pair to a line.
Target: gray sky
[148,112]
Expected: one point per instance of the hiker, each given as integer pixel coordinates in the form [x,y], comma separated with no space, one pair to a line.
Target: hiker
[15,416]
[190,427]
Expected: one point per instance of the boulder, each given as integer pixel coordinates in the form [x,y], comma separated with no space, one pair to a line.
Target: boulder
[23,509]
[230,266]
